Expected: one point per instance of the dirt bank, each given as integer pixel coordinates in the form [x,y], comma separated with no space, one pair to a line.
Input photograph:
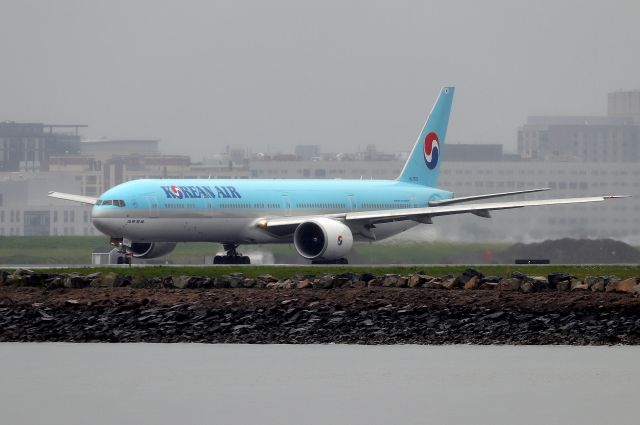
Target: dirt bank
[370,315]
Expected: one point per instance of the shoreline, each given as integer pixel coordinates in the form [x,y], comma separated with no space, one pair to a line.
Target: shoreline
[307,316]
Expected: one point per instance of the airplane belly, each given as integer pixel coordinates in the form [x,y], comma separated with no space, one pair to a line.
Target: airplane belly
[188,230]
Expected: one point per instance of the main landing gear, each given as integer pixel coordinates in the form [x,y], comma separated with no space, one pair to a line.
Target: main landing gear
[232,257]
[123,259]
[336,261]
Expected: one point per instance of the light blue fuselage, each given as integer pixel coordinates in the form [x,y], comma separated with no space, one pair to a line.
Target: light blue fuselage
[176,210]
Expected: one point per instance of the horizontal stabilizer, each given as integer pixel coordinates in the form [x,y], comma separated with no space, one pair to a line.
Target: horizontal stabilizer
[442,202]
[71,197]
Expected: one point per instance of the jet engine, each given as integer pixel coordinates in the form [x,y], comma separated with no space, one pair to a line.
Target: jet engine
[151,249]
[322,238]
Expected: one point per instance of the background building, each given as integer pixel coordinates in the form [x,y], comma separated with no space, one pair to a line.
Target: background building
[28,146]
[573,156]
[594,139]
[26,210]
[624,104]
[611,138]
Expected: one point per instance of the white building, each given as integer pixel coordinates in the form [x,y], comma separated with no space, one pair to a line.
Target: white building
[26,210]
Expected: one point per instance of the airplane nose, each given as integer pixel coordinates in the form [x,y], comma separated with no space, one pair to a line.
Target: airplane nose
[108,225]
[101,225]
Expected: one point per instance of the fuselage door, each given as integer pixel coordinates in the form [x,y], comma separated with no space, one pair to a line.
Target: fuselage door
[352,202]
[152,202]
[286,205]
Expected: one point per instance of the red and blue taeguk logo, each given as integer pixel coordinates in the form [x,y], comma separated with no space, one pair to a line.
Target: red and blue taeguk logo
[340,240]
[176,191]
[431,150]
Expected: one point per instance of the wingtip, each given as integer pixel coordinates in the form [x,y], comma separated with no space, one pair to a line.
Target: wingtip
[616,196]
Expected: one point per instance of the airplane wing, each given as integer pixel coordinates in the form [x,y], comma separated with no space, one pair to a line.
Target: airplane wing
[71,197]
[423,214]
[450,201]
[477,209]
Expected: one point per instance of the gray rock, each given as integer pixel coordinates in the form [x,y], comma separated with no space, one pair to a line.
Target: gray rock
[142,282]
[467,275]
[366,277]
[518,275]
[557,277]
[54,282]
[624,286]
[598,285]
[18,280]
[75,281]
[324,282]
[349,276]
[402,282]
[108,280]
[433,284]
[491,279]
[590,280]
[181,282]
[359,284]
[611,283]
[489,285]
[304,284]
[248,283]
[266,278]
[578,285]
[509,284]
[236,281]
[374,282]
[390,280]
[222,281]
[472,283]
[527,286]
[450,284]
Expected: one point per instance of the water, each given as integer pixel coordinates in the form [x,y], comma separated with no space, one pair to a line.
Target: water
[316,384]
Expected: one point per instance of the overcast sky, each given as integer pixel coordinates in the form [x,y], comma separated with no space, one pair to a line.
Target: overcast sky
[267,75]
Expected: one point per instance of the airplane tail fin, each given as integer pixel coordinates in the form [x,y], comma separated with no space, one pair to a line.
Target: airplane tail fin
[423,165]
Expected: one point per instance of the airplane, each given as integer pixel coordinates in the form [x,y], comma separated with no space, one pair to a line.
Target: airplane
[322,218]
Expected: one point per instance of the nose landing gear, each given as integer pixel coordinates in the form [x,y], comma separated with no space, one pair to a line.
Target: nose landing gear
[124,256]
[232,256]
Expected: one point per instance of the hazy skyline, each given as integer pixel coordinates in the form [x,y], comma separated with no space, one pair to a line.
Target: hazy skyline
[201,75]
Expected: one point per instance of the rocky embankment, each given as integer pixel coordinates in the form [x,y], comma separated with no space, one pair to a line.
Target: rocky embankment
[344,308]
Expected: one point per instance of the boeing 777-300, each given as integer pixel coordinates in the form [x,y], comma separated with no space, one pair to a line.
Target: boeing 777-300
[322,218]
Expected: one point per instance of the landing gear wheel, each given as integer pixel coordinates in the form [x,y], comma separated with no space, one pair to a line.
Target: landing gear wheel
[337,261]
[232,257]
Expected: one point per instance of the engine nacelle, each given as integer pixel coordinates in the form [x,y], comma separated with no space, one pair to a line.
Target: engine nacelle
[322,238]
[151,249]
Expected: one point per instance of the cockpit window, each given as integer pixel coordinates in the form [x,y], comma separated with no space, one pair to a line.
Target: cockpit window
[114,202]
